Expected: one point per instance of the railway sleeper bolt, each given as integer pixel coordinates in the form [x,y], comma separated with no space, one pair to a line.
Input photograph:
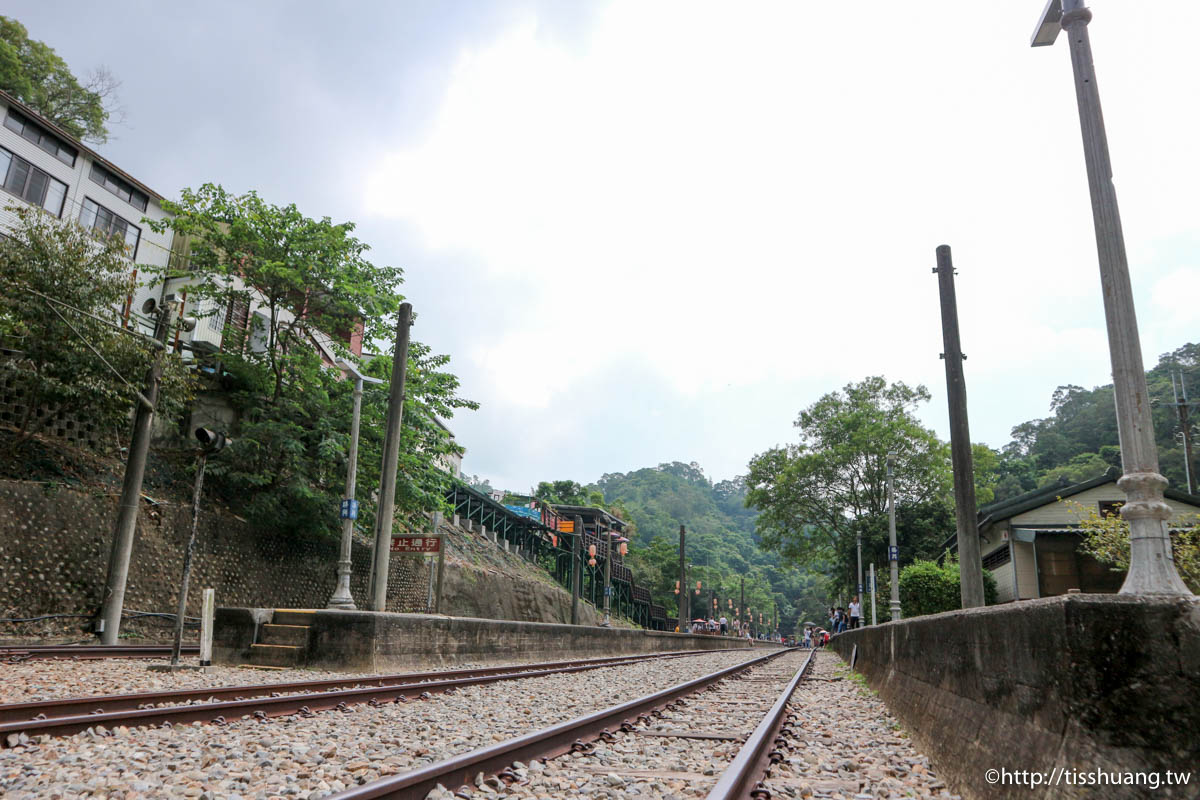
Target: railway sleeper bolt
[607,736]
[626,726]
[260,715]
[305,711]
[775,756]
[508,776]
[341,707]
[40,716]
[760,792]
[580,746]
[218,720]
[644,719]
[464,792]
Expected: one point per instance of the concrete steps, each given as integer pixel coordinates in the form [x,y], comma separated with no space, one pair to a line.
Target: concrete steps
[283,642]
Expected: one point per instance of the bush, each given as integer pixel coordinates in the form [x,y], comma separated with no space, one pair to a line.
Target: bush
[929,588]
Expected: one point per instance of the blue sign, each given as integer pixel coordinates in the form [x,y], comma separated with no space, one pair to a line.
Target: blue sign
[349,509]
[860,588]
[608,591]
[893,553]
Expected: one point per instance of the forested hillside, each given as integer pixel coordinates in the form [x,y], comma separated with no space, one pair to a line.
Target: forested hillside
[1079,438]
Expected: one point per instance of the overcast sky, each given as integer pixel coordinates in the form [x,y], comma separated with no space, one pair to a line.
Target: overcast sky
[655,231]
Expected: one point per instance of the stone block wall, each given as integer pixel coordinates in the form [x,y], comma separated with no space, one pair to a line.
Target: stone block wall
[1076,682]
[55,543]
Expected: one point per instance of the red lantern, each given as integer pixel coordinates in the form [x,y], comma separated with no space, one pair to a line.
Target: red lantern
[623,548]
[697,584]
[553,540]
[676,587]
[591,562]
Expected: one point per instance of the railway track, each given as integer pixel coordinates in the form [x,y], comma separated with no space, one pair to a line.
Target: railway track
[72,715]
[18,653]
[693,726]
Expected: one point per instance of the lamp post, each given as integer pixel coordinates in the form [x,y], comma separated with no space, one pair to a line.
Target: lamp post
[858,545]
[1151,564]
[341,595]
[893,550]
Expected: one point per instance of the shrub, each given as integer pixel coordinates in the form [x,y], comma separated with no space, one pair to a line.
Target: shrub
[929,588]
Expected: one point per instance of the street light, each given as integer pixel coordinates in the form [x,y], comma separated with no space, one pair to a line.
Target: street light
[341,594]
[1151,564]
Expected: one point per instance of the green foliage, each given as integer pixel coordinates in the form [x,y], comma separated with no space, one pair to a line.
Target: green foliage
[721,544]
[814,496]
[1106,538]
[56,369]
[34,74]
[311,286]
[929,588]
[1079,440]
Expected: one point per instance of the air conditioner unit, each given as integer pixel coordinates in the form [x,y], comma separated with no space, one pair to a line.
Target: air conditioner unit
[210,327]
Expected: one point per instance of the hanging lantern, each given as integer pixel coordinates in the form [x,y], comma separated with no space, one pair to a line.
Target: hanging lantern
[697,584]
[676,587]
[623,549]
[591,551]
[591,562]
[553,540]
[731,602]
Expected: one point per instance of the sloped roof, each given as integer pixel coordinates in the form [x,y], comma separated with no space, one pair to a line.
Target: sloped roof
[1007,509]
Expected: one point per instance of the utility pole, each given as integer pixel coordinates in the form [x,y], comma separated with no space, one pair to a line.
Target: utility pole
[1151,563]
[607,573]
[131,488]
[858,543]
[684,614]
[970,567]
[893,550]
[341,594]
[391,454]
[210,443]
[873,590]
[576,570]
[1185,428]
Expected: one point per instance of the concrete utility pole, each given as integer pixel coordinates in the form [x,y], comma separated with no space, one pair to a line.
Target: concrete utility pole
[970,567]
[131,488]
[576,568]
[684,592]
[441,559]
[341,594]
[1151,563]
[893,550]
[1185,428]
[391,454]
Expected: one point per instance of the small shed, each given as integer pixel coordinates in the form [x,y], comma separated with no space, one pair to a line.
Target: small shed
[1031,542]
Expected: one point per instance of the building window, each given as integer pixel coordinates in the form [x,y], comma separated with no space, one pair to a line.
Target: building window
[31,184]
[98,218]
[26,129]
[1110,508]
[997,558]
[120,187]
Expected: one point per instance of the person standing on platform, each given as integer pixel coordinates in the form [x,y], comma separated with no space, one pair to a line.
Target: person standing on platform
[855,613]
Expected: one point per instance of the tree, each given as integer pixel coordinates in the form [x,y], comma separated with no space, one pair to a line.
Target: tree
[34,74]
[67,357]
[1106,538]
[813,496]
[929,588]
[311,288]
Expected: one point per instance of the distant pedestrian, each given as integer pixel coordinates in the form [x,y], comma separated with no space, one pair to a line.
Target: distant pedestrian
[855,613]
[724,625]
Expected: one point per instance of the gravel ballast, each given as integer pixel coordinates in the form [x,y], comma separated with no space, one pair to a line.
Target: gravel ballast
[306,757]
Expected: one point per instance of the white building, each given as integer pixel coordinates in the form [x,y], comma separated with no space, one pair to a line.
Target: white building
[44,166]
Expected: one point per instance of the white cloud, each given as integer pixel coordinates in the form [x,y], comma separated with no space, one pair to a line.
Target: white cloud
[731,198]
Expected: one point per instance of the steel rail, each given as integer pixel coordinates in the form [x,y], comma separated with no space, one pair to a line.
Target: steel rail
[265,707]
[70,706]
[545,743]
[742,779]
[16,653]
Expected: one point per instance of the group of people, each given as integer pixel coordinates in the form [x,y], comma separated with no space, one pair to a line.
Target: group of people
[840,619]
[723,627]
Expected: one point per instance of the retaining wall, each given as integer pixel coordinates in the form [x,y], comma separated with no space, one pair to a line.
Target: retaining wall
[1078,682]
[380,642]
